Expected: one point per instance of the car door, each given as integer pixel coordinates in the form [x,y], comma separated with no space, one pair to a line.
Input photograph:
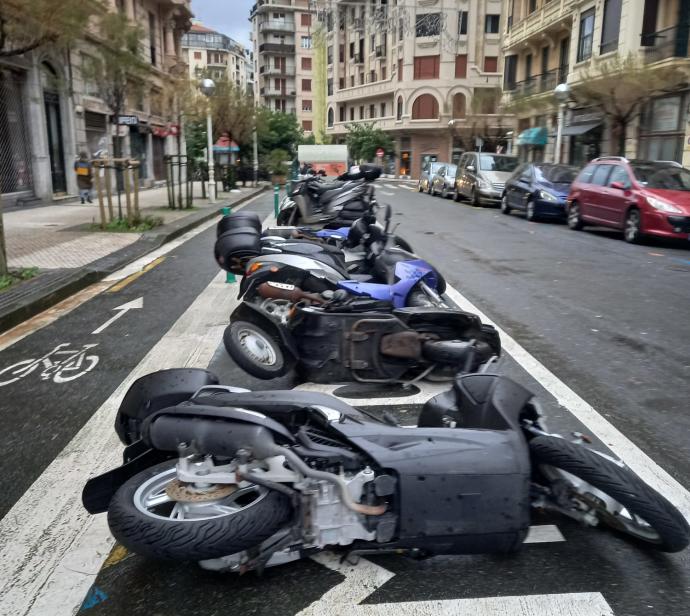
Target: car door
[595,195]
[522,188]
[438,179]
[616,200]
[460,176]
[510,184]
[469,175]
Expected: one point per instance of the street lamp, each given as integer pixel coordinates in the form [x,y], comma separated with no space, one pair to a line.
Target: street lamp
[562,94]
[208,87]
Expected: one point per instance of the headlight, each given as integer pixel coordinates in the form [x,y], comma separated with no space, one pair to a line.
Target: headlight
[547,196]
[663,206]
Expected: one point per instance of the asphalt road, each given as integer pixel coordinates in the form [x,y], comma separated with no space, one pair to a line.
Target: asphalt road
[609,319]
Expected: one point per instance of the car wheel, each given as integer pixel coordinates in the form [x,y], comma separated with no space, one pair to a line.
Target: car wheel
[475,198]
[574,218]
[428,188]
[457,197]
[444,192]
[633,226]
[505,208]
[531,213]
[420,188]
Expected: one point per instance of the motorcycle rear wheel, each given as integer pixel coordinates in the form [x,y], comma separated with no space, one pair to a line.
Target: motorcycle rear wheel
[148,522]
[255,350]
[645,515]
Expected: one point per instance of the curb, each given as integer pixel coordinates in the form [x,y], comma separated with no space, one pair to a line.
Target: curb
[52,287]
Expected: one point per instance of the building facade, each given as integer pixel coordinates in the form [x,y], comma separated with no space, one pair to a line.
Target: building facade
[217,55]
[427,73]
[547,43]
[49,111]
[285,71]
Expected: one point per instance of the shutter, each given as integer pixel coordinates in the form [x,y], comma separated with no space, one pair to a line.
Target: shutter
[94,122]
[461,66]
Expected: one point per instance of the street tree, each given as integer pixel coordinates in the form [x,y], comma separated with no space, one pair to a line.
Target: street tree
[26,25]
[277,131]
[621,87]
[364,138]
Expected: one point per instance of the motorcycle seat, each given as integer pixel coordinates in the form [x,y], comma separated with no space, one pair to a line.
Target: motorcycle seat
[321,189]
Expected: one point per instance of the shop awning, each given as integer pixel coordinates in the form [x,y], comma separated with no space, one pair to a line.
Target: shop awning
[579,129]
[536,135]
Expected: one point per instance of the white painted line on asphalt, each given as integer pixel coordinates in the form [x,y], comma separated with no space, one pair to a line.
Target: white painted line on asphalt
[135,304]
[544,533]
[365,578]
[638,461]
[390,186]
[387,194]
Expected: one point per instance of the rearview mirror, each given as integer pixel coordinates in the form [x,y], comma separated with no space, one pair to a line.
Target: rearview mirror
[471,168]
[617,185]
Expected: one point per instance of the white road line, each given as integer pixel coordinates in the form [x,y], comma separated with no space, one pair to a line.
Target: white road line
[638,461]
[363,579]
[391,186]
[387,194]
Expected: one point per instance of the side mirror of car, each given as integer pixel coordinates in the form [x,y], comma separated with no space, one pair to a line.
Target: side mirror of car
[617,185]
[471,168]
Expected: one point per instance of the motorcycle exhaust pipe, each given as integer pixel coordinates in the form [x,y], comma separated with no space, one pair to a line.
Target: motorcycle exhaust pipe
[279,290]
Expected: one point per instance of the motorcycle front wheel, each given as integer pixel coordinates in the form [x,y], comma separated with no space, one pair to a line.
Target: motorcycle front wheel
[620,499]
[146,520]
[255,350]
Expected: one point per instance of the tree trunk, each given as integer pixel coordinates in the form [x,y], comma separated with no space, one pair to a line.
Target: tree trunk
[3,250]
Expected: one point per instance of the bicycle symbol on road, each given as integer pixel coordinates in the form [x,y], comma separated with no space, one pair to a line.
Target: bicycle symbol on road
[61,364]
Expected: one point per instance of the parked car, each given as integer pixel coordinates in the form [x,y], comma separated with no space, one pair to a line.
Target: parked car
[482,176]
[428,172]
[640,197]
[443,182]
[538,189]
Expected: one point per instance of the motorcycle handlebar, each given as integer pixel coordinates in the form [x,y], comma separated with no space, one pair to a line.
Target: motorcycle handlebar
[294,294]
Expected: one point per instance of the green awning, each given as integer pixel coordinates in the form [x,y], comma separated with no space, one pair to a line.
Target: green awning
[537,135]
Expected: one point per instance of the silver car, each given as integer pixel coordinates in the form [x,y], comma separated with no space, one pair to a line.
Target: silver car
[443,183]
[482,176]
[428,172]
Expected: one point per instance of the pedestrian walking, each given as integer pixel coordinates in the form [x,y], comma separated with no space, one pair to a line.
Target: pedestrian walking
[84,171]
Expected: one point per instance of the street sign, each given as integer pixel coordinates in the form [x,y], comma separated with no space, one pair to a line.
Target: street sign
[380,152]
[128,120]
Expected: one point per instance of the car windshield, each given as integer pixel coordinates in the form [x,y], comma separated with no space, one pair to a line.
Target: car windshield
[451,170]
[663,177]
[490,162]
[555,174]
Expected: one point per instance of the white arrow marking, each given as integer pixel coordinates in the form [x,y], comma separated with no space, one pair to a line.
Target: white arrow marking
[363,579]
[135,304]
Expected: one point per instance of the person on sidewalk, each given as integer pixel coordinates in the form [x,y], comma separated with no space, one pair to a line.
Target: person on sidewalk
[84,172]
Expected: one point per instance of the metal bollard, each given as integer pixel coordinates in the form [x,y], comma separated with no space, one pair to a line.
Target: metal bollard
[276,200]
[229,276]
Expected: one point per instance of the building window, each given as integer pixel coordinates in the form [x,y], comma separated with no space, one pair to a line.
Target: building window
[372,111]
[383,110]
[399,109]
[400,69]
[343,111]
[491,64]
[197,55]
[330,86]
[306,105]
[584,47]
[330,118]
[383,73]
[330,54]
[425,107]
[532,6]
[510,73]
[341,53]
[459,106]
[352,114]
[372,76]
[352,81]
[306,42]
[491,24]
[306,64]
[306,125]
[461,66]
[428,24]
[306,85]
[611,26]
[426,67]
[305,19]
[462,22]
[361,112]
[152,37]
[352,50]
[341,83]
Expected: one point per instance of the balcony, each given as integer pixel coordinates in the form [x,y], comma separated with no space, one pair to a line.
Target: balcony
[340,128]
[277,26]
[276,93]
[280,48]
[551,16]
[368,90]
[273,71]
[664,44]
[538,84]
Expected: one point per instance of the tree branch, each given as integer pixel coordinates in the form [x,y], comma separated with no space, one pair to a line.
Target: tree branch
[18,51]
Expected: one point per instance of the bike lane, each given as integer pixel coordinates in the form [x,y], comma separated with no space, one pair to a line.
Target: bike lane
[66,370]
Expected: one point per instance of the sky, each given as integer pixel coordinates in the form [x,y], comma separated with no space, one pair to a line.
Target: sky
[229,17]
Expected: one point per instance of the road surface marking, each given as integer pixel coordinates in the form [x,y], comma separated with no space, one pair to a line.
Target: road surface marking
[387,194]
[135,304]
[391,186]
[638,461]
[544,533]
[118,286]
[365,578]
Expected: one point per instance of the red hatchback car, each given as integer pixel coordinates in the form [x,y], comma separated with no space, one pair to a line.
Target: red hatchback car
[640,197]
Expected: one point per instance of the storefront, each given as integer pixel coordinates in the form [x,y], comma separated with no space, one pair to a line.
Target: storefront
[96,127]
[531,143]
[662,128]
[138,138]
[585,130]
[15,153]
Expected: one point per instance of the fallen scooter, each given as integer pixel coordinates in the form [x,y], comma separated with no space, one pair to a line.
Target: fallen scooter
[239,480]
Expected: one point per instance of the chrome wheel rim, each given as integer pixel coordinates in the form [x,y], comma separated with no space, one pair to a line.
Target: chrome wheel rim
[573,215]
[504,203]
[257,346]
[152,500]
[632,226]
[530,210]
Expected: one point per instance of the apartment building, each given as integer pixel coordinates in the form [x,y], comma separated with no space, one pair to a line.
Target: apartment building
[284,57]
[563,41]
[208,52]
[428,73]
[49,112]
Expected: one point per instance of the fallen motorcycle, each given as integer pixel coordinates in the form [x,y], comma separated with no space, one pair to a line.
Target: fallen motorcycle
[241,480]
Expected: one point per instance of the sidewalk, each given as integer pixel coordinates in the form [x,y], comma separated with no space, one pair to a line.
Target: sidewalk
[70,255]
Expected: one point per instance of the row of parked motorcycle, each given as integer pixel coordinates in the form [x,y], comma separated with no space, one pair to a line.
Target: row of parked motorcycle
[240,480]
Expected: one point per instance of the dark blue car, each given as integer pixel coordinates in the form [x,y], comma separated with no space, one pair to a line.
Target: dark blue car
[538,189]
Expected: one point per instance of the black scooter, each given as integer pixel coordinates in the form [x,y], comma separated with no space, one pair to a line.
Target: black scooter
[241,480]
